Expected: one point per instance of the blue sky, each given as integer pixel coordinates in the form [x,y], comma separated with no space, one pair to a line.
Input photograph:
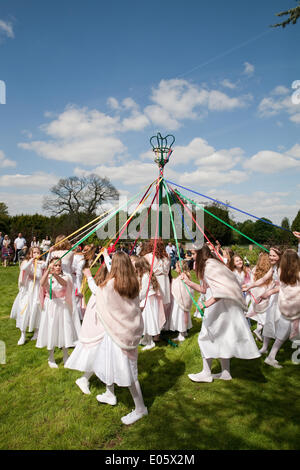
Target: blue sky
[88,83]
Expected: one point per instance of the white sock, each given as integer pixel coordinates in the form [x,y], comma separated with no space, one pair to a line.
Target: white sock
[87,375]
[22,338]
[136,393]
[265,345]
[65,354]
[205,374]
[275,348]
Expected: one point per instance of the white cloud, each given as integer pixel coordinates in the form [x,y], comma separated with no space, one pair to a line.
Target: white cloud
[22,203]
[248,68]
[5,162]
[209,177]
[79,135]
[267,161]
[228,84]
[35,180]
[6,29]
[274,205]
[279,101]
[280,90]
[196,149]
[294,151]
[176,99]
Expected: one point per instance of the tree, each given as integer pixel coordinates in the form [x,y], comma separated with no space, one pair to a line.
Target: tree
[294,14]
[3,209]
[215,229]
[264,232]
[296,223]
[79,197]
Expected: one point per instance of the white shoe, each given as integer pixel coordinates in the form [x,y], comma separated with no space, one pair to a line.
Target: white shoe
[149,346]
[262,351]
[108,398]
[134,416]
[273,363]
[35,335]
[143,342]
[200,377]
[52,364]
[180,337]
[222,376]
[22,340]
[83,384]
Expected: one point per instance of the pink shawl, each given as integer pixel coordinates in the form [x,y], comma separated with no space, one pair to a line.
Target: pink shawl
[92,329]
[223,283]
[289,305]
[121,317]
[59,293]
[180,294]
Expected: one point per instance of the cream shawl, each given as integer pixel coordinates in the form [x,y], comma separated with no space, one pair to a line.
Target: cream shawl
[120,316]
[223,283]
[181,295]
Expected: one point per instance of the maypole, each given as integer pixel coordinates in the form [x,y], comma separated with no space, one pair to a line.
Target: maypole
[162,147]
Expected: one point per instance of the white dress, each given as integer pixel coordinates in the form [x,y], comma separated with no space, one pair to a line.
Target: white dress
[66,267]
[276,326]
[112,365]
[26,308]
[57,328]
[177,319]
[77,276]
[161,269]
[83,357]
[225,332]
[241,278]
[151,309]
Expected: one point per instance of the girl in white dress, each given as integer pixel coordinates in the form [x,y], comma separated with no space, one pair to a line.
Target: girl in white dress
[180,319]
[287,315]
[225,332]
[161,268]
[27,308]
[117,305]
[83,356]
[271,320]
[152,310]
[61,251]
[77,276]
[56,328]
[257,310]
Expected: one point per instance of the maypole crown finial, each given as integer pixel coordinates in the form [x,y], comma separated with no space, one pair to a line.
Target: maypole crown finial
[162,147]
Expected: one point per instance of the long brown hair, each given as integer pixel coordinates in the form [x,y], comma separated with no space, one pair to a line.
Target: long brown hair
[123,273]
[65,245]
[263,265]
[202,256]
[290,267]
[101,275]
[160,251]
[141,267]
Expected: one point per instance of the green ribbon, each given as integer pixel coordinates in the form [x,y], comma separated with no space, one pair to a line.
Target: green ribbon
[180,259]
[220,220]
[50,293]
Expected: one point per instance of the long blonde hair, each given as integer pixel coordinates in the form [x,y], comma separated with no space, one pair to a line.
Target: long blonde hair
[141,267]
[123,273]
[263,265]
[65,245]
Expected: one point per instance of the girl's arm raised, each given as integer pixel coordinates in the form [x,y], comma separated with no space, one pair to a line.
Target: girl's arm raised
[259,282]
[193,285]
[43,282]
[59,279]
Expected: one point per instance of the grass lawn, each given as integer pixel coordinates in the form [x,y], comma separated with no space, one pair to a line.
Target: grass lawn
[42,408]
